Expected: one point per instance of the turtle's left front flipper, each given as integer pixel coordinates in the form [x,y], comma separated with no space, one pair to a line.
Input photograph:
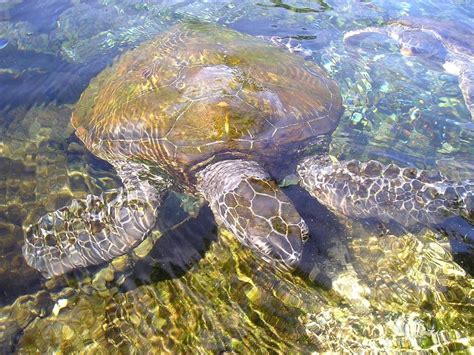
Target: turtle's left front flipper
[407,195]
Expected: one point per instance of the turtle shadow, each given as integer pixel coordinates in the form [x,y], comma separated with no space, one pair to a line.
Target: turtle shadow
[178,250]
[327,247]
[175,252]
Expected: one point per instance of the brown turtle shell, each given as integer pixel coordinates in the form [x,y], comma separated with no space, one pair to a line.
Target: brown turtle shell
[199,90]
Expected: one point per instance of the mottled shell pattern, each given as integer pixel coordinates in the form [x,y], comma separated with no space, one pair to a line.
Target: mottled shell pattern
[200,90]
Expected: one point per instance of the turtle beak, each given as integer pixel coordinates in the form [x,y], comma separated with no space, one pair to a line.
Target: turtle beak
[289,249]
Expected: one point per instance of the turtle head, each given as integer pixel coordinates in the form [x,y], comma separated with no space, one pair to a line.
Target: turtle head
[421,44]
[248,203]
[274,227]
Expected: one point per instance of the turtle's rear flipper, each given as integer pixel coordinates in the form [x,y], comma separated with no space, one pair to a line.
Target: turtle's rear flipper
[94,230]
[248,203]
[407,195]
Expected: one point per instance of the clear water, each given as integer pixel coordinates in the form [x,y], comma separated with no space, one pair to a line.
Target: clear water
[189,287]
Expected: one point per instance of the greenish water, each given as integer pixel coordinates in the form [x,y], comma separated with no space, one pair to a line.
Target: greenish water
[191,287]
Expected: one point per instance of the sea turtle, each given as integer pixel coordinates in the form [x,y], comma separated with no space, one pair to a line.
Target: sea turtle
[440,43]
[208,111]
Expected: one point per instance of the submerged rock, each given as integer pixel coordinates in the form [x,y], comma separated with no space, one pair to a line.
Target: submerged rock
[412,282]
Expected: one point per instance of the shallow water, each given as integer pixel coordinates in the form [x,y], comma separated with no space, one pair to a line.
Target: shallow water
[190,287]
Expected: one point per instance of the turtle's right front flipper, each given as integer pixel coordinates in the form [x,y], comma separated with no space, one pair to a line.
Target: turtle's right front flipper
[94,230]
[248,203]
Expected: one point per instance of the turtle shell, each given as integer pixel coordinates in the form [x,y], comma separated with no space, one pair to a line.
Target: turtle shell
[458,37]
[199,90]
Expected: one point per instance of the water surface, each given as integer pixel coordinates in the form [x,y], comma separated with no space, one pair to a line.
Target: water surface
[191,287]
